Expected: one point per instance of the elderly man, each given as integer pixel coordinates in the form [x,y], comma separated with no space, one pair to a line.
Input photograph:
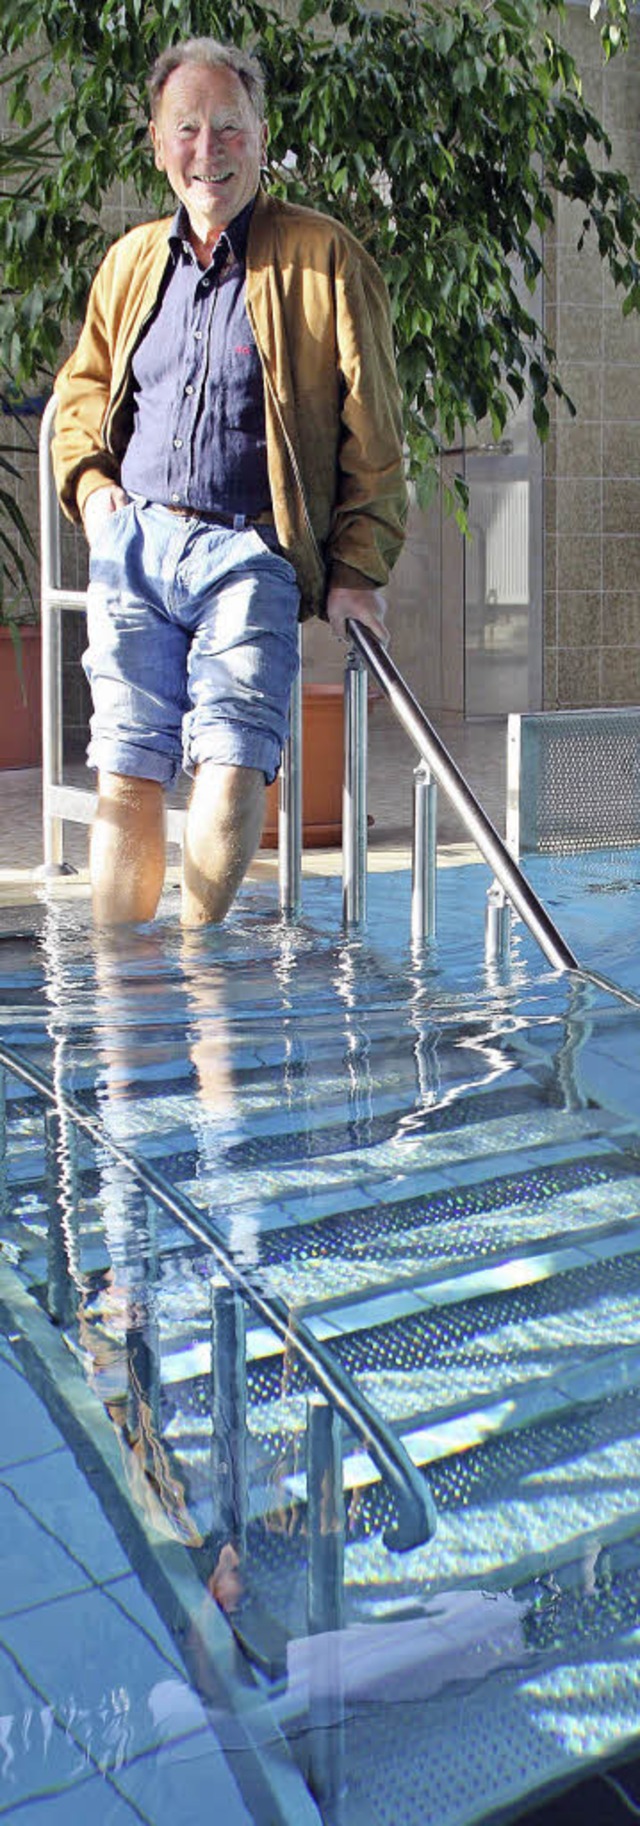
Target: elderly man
[228,431]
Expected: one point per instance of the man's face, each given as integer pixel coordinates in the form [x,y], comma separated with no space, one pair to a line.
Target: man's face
[210,143]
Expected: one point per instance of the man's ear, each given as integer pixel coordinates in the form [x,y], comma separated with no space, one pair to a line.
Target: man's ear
[156,141]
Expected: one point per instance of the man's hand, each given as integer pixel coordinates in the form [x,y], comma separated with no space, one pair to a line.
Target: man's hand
[99,505]
[367,606]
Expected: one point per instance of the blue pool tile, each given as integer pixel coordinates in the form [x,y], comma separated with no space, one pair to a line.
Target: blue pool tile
[613,1245]
[187,1780]
[16,1696]
[306,1207]
[423,1185]
[33,1567]
[615,1080]
[105,1676]
[90,1800]
[25,1427]
[266,1217]
[130,1597]
[35,1752]
[55,1492]
[375,1309]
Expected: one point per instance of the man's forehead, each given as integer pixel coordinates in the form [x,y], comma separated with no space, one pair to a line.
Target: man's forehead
[203,85]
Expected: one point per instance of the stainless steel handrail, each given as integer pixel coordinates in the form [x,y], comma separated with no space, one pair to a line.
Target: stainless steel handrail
[416,1514]
[479,826]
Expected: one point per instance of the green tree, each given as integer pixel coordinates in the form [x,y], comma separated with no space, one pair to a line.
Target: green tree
[442,134]
[21,160]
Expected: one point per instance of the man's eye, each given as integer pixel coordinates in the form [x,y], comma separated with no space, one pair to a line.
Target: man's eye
[187,126]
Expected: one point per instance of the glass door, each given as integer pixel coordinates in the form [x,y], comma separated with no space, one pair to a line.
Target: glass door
[503,573]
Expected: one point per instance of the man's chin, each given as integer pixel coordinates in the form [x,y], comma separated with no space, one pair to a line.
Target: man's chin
[210,195]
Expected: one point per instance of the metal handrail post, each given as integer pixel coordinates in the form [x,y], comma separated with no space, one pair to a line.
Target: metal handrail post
[325,1601]
[325,1517]
[290,805]
[229,1416]
[424,855]
[479,826]
[51,646]
[497,925]
[354,797]
[61,1291]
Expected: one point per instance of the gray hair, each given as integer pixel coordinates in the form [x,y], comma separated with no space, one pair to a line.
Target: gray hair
[214,56]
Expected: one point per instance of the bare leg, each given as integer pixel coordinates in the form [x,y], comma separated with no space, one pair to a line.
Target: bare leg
[223,832]
[127,858]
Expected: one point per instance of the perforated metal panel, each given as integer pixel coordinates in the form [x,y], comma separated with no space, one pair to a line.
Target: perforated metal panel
[573,780]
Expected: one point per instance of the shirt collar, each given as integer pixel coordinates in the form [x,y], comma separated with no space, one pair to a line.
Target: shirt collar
[236,233]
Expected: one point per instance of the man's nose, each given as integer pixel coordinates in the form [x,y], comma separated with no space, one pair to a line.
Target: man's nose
[209,141]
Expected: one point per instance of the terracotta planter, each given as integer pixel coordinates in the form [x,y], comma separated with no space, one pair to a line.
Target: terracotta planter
[322,770]
[20,701]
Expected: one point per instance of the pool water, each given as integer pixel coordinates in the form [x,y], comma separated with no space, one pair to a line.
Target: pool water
[431,1167]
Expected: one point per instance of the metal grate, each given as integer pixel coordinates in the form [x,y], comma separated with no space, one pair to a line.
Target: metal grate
[573,780]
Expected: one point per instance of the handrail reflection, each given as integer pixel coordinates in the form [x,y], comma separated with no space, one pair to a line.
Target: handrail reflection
[421,732]
[416,1514]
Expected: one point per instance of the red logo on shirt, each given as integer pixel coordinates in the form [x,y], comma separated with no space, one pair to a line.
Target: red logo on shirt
[243,348]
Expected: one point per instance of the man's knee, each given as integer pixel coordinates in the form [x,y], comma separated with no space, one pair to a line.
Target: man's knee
[228,794]
[223,833]
[128,790]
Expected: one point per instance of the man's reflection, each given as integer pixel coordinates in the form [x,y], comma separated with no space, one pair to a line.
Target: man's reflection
[158,1066]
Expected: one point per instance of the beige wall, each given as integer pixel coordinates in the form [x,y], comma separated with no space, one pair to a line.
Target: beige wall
[591,494]
[592,463]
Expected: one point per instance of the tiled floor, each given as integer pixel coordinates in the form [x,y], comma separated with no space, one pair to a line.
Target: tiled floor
[78,1733]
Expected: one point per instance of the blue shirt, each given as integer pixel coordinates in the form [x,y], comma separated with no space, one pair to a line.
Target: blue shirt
[198,437]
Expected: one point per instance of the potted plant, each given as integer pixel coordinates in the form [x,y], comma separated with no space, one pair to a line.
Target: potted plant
[20,686]
[323,667]
[322,770]
[23,155]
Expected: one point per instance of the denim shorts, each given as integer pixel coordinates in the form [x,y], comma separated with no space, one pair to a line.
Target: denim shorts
[193,645]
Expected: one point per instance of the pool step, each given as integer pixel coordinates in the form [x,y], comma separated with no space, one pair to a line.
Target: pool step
[443,1206]
[337,1170]
[515,1429]
[431,1186]
[315,1264]
[496,1697]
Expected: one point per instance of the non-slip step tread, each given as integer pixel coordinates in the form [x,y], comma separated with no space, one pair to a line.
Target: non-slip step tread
[439,1339]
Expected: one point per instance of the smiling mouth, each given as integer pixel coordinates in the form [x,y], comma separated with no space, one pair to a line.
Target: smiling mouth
[211,177]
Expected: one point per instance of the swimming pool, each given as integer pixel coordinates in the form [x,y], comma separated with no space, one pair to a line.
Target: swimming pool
[433,1169]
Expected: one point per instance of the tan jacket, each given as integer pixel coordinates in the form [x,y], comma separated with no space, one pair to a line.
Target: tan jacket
[319,312]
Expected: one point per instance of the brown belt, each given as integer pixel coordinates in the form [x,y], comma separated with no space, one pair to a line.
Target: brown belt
[198,513]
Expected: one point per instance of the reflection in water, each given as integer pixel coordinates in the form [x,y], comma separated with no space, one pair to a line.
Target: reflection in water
[211,1065]
[149,1031]
[156,1031]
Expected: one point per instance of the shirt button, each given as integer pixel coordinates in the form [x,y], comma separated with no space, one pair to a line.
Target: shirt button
[189,390]
[198,335]
[175,497]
